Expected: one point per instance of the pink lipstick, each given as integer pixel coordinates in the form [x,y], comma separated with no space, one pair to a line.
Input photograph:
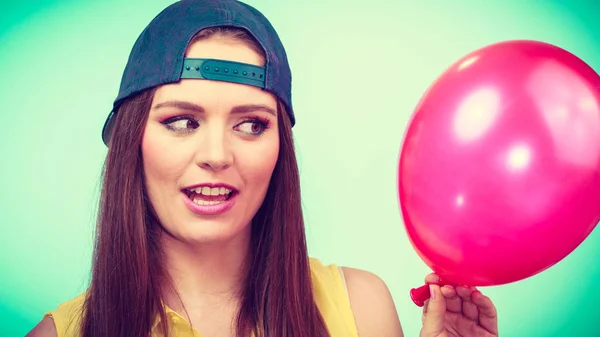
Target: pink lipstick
[209,199]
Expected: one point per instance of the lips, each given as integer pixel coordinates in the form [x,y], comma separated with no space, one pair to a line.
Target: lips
[209,194]
[210,186]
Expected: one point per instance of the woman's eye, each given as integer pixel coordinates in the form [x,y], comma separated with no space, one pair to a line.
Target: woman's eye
[181,124]
[252,127]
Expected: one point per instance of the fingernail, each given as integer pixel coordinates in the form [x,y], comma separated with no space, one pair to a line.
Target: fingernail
[431,292]
[436,280]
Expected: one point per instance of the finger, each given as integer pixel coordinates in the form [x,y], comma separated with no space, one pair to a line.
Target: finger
[464,292]
[453,301]
[424,314]
[485,305]
[469,309]
[488,316]
[433,324]
[449,291]
[432,278]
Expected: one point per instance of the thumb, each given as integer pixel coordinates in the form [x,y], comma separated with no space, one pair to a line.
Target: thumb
[433,323]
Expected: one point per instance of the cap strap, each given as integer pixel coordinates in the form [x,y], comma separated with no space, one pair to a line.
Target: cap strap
[221,70]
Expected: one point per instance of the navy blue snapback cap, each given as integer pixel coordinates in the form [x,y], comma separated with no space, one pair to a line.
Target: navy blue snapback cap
[158,55]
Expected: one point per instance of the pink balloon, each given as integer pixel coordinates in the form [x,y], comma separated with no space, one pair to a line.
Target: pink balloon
[499,173]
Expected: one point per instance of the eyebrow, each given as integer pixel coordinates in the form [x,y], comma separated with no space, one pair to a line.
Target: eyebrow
[240,109]
[180,105]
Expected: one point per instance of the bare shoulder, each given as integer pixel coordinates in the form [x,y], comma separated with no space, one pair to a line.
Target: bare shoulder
[45,328]
[372,304]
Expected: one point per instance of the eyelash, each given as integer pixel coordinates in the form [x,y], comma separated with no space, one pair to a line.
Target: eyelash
[264,123]
[167,123]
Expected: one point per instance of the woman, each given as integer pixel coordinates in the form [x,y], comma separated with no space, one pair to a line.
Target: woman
[200,227]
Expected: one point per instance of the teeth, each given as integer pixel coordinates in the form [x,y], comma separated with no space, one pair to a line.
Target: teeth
[205,203]
[211,191]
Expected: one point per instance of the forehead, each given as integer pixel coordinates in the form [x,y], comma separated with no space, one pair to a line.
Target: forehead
[224,48]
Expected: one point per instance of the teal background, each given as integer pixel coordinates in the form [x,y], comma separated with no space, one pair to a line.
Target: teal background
[359,69]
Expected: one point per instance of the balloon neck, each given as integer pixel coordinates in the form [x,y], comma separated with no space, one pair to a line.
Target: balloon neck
[421,294]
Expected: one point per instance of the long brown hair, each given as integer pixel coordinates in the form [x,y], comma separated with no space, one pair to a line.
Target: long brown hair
[128,273]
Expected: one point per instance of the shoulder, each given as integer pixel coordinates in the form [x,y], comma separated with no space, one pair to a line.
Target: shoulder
[45,328]
[63,321]
[372,304]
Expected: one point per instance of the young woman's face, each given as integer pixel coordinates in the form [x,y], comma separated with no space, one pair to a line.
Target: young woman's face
[209,150]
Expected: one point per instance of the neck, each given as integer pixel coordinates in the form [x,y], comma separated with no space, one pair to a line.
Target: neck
[203,274]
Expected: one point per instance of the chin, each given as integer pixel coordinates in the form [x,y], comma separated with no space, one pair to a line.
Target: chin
[205,232]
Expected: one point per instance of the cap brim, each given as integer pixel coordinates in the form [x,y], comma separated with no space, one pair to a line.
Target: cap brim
[108,126]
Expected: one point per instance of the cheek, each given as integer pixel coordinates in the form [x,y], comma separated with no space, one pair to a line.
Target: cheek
[257,169]
[162,163]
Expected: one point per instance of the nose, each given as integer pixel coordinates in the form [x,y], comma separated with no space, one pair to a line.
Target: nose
[214,151]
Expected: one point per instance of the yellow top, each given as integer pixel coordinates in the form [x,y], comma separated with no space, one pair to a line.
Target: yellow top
[329,290]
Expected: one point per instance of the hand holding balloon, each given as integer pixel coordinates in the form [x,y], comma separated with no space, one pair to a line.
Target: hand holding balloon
[421,294]
[499,173]
[458,311]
